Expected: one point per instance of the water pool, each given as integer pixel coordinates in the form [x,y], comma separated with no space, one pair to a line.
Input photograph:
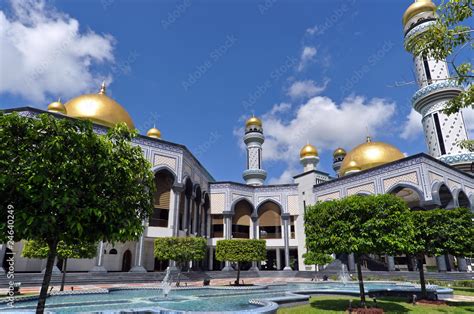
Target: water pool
[207,299]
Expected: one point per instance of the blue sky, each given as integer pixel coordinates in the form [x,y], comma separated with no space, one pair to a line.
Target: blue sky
[317,71]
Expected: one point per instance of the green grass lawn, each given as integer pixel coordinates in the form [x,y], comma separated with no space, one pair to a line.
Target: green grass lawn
[338,304]
[463,290]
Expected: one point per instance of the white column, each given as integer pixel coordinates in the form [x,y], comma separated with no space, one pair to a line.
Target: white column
[391,263]
[441,262]
[227,235]
[254,235]
[278,258]
[351,261]
[99,268]
[138,268]
[286,219]
[462,265]
[211,258]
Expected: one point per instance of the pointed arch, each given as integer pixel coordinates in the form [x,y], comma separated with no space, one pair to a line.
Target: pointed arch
[410,193]
[442,195]
[269,214]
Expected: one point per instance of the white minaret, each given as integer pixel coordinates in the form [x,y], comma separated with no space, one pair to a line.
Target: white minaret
[253,138]
[309,157]
[338,156]
[442,131]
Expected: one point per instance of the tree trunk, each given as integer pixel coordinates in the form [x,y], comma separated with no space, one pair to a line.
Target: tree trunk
[422,278]
[237,282]
[64,274]
[361,282]
[47,276]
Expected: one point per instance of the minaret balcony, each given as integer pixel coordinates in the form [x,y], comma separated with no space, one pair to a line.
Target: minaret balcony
[254,137]
[450,86]
[254,173]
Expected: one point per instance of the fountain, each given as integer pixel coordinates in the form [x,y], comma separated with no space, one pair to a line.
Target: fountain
[166,283]
[344,275]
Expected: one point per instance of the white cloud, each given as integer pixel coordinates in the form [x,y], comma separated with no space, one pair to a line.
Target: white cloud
[312,30]
[308,88]
[413,128]
[307,56]
[323,123]
[44,54]
[285,178]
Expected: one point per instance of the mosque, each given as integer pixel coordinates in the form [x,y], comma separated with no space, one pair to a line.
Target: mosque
[189,202]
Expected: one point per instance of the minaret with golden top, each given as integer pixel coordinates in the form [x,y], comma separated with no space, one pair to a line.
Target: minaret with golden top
[253,139]
[442,132]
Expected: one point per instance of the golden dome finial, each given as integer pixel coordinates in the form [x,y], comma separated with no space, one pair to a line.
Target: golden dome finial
[102,88]
[253,121]
[153,132]
[57,107]
[419,6]
[308,151]
[339,152]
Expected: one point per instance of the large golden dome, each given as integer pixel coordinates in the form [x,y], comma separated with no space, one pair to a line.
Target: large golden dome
[369,155]
[253,121]
[98,108]
[308,151]
[418,7]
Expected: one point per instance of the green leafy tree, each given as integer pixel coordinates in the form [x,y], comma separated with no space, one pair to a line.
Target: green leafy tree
[439,232]
[68,183]
[39,249]
[316,258]
[180,250]
[375,224]
[448,38]
[240,251]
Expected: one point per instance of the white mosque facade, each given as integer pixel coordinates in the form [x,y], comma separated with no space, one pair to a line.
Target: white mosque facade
[190,202]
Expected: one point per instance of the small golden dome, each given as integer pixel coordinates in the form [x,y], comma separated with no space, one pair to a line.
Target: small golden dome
[98,108]
[369,155]
[418,7]
[308,151]
[57,106]
[253,121]
[339,152]
[153,132]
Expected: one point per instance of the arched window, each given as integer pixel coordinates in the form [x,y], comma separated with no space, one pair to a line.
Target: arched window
[241,220]
[113,252]
[163,182]
[269,221]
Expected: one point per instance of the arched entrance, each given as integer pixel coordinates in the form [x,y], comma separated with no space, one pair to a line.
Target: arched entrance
[463,200]
[269,221]
[445,197]
[163,181]
[127,261]
[409,194]
[241,220]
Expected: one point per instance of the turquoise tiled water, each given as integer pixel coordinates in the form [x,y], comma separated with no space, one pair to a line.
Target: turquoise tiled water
[210,299]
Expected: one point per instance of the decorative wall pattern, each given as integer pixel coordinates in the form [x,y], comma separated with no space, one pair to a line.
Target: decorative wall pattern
[435,177]
[453,185]
[293,204]
[217,203]
[369,187]
[164,160]
[329,196]
[411,177]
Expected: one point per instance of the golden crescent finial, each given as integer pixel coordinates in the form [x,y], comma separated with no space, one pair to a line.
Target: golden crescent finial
[102,88]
